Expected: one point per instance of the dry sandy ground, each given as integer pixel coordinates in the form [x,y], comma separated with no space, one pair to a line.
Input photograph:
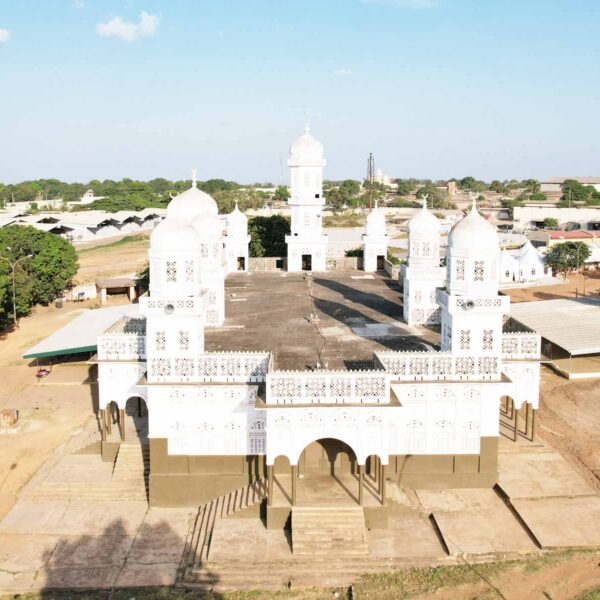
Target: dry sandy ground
[561,290]
[50,411]
[99,260]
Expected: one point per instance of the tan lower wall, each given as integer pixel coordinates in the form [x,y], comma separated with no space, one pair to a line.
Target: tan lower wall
[194,480]
[448,471]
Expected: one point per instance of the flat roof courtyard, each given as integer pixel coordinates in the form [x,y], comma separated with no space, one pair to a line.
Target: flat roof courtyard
[356,314]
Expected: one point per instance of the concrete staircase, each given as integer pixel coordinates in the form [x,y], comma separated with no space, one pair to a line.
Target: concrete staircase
[332,531]
[127,482]
[201,528]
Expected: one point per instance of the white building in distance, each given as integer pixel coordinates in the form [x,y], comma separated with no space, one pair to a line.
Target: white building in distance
[307,244]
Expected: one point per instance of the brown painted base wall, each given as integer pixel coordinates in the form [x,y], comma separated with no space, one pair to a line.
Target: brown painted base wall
[448,471]
[194,480]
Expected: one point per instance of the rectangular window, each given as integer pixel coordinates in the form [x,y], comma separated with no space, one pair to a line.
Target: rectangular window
[465,339]
[184,340]
[460,270]
[189,271]
[160,341]
[171,271]
[488,339]
[479,272]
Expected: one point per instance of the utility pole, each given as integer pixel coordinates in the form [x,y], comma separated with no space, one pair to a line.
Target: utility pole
[371,177]
[14,288]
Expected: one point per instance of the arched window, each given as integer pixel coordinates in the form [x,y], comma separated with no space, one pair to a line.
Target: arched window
[533,272]
[507,274]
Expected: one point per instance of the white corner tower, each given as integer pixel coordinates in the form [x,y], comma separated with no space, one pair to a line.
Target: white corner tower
[375,241]
[472,310]
[306,245]
[236,241]
[423,274]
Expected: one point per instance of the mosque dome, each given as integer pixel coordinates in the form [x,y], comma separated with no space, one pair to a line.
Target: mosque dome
[191,203]
[473,233]
[424,222]
[174,234]
[375,224]
[237,221]
[306,147]
[208,226]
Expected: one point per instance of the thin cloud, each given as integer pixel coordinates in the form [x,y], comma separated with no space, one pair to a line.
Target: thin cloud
[127,31]
[343,72]
[4,36]
[78,3]
[416,4]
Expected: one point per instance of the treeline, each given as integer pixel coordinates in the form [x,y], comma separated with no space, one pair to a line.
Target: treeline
[130,194]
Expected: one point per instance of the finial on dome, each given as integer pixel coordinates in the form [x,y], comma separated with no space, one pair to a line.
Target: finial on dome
[473,198]
[376,204]
[425,196]
[306,124]
[194,182]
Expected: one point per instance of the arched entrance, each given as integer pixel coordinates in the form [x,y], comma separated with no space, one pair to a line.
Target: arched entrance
[327,456]
[515,420]
[136,419]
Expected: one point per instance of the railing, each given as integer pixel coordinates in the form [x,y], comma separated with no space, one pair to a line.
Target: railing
[327,387]
[123,346]
[211,367]
[438,366]
[521,345]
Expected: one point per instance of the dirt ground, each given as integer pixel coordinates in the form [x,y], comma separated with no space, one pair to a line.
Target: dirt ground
[51,411]
[588,286]
[103,259]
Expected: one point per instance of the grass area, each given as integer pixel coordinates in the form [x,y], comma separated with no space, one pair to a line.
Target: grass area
[135,239]
[407,583]
[344,220]
[397,585]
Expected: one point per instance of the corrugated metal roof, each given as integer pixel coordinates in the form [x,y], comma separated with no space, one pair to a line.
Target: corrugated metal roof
[81,334]
[574,324]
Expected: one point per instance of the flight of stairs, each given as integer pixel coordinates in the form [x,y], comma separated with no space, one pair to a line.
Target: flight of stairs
[202,526]
[128,481]
[332,531]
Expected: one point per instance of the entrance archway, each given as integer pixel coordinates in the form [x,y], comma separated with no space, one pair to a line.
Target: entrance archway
[136,419]
[327,456]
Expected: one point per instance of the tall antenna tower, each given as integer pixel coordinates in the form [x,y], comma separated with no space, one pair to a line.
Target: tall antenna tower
[371,177]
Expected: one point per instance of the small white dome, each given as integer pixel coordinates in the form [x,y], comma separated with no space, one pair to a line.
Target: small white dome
[208,226]
[375,222]
[306,147]
[191,203]
[174,234]
[473,233]
[529,256]
[237,222]
[424,222]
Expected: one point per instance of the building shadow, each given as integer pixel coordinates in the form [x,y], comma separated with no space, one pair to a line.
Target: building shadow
[372,301]
[119,563]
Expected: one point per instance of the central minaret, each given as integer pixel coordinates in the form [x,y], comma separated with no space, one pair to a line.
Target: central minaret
[307,245]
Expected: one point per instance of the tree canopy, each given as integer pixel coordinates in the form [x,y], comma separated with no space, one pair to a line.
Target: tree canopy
[568,256]
[267,235]
[436,198]
[573,191]
[39,279]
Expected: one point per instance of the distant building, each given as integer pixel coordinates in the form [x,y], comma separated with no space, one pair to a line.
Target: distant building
[382,178]
[532,217]
[553,185]
[87,198]
[547,239]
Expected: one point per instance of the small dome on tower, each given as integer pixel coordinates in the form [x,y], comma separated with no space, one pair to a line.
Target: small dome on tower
[174,234]
[191,203]
[306,147]
[237,222]
[208,226]
[375,224]
[473,233]
[424,222]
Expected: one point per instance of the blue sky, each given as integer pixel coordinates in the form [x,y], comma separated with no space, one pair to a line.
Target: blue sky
[435,88]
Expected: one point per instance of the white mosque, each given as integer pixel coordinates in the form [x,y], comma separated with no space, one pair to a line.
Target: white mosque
[221,420]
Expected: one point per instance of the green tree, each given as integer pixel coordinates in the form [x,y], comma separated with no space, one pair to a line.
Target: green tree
[497,186]
[281,194]
[436,198]
[550,223]
[509,204]
[573,191]
[349,188]
[405,186]
[40,279]
[568,256]
[472,184]
[538,197]
[267,235]
[532,185]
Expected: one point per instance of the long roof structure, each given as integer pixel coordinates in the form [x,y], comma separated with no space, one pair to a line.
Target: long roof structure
[81,334]
[572,324]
